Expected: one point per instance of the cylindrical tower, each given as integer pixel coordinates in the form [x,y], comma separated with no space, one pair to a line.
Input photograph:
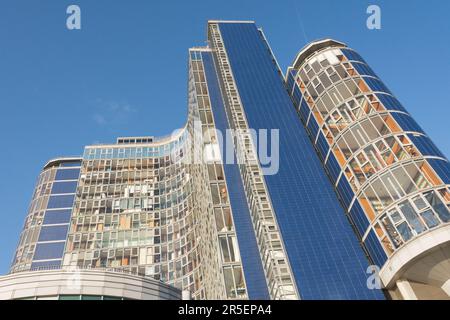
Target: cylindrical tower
[391,179]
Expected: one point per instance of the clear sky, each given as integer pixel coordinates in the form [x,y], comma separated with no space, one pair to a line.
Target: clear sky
[125,72]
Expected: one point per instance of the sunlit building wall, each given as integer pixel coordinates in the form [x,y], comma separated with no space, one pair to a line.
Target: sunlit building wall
[391,179]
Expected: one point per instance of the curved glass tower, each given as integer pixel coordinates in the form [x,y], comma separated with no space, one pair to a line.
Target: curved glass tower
[152,207]
[391,179]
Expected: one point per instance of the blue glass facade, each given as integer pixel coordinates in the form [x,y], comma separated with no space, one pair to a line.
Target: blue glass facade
[53,233]
[251,262]
[442,168]
[325,256]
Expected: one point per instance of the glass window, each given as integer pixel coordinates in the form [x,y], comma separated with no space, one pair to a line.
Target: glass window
[420,204]
[67,174]
[438,206]
[57,216]
[227,218]
[405,231]
[373,199]
[219,220]
[325,80]
[86,297]
[391,231]
[53,233]
[417,176]
[46,265]
[239,280]
[404,180]
[429,218]
[111,298]
[68,297]
[223,219]
[229,247]
[233,248]
[395,216]
[391,184]
[70,164]
[61,202]
[219,172]
[382,193]
[64,187]
[411,217]
[225,252]
[229,283]
[372,154]
[215,194]
[223,193]
[46,251]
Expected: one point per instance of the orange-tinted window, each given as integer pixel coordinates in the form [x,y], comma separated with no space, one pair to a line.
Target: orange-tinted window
[429,173]
[367,208]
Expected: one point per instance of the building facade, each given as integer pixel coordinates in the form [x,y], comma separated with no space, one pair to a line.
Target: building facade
[93,284]
[391,179]
[204,212]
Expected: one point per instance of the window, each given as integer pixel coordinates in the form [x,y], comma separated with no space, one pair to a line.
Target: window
[405,231]
[211,172]
[234,282]
[89,297]
[70,297]
[64,187]
[215,194]
[229,283]
[430,219]
[61,202]
[438,206]
[71,164]
[391,231]
[229,248]
[45,251]
[67,174]
[57,216]
[53,233]
[412,218]
[223,219]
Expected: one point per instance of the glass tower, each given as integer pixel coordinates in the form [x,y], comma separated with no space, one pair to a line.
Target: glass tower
[201,210]
[391,179]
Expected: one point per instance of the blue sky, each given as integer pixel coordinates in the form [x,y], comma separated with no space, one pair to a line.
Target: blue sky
[125,72]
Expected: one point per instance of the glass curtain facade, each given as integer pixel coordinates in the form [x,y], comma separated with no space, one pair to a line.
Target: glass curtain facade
[44,234]
[392,180]
[151,207]
[310,241]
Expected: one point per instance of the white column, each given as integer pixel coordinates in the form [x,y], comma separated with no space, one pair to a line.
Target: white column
[406,290]
[446,287]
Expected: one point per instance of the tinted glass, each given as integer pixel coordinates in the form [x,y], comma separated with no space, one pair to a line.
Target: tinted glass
[67,174]
[323,249]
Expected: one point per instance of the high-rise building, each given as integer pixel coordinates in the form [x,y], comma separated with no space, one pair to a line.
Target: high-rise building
[391,179]
[209,210]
